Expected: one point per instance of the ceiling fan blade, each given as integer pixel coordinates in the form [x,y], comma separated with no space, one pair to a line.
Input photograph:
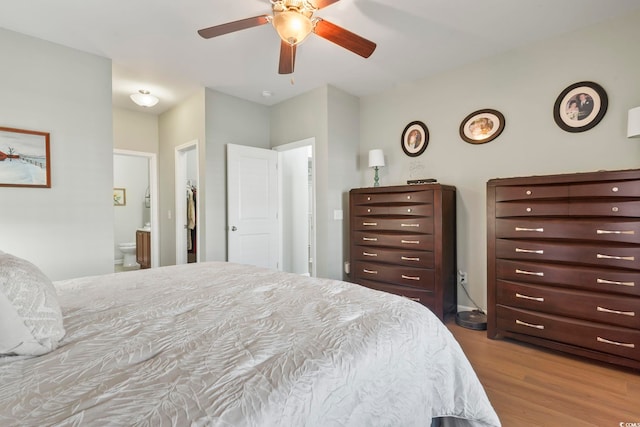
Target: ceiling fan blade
[287,58]
[231,27]
[324,3]
[344,38]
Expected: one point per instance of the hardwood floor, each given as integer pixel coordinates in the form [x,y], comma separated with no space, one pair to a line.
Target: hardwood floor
[531,386]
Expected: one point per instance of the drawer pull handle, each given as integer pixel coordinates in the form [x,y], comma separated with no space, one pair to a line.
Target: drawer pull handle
[410,277]
[621,344]
[412,242]
[370,223]
[414,299]
[530,251]
[409,225]
[369,254]
[531,273]
[368,210]
[368,198]
[409,210]
[615,232]
[408,258]
[612,282]
[537,230]
[530,298]
[528,209]
[530,325]
[528,192]
[370,239]
[408,197]
[623,258]
[370,271]
[624,313]
[614,189]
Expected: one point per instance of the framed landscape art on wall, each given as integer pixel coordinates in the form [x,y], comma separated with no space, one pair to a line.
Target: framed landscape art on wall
[24,158]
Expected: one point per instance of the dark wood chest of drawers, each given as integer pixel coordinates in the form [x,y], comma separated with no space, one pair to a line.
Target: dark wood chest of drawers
[403,241]
[564,263]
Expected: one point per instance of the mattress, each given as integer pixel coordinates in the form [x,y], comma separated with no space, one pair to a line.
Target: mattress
[222,344]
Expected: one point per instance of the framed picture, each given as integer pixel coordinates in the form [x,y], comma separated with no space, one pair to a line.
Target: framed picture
[24,158]
[119,197]
[580,107]
[414,139]
[482,126]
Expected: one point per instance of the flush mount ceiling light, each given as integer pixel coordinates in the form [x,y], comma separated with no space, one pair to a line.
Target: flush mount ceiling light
[144,98]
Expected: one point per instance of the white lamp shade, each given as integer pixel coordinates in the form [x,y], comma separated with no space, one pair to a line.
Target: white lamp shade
[633,124]
[144,99]
[376,158]
[292,27]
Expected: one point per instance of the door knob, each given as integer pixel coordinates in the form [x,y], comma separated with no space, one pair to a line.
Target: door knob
[233,228]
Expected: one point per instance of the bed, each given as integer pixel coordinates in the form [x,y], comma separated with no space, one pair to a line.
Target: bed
[222,344]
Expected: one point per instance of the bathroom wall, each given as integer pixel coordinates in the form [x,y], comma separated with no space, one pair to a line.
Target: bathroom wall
[132,174]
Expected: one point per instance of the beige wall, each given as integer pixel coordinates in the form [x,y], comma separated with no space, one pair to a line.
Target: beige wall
[135,131]
[180,125]
[523,84]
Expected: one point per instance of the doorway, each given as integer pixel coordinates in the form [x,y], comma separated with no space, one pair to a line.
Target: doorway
[136,177]
[279,217]
[187,207]
[297,204]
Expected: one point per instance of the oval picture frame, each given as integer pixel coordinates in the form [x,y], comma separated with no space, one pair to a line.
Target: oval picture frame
[414,139]
[482,126]
[580,107]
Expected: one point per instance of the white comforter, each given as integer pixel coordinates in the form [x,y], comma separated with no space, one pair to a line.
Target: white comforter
[231,345]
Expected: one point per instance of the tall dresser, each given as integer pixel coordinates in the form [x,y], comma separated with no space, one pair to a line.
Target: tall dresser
[403,241]
[564,263]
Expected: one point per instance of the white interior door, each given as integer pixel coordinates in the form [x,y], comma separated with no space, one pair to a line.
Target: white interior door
[252,206]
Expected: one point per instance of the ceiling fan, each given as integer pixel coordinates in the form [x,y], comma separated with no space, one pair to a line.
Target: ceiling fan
[294,21]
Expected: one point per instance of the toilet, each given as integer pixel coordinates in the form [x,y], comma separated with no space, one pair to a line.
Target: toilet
[129,252]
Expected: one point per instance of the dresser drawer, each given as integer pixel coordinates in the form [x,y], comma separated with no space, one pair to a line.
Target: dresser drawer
[419,242]
[531,192]
[616,340]
[617,208]
[611,309]
[606,231]
[396,210]
[423,296]
[395,275]
[592,279]
[606,189]
[410,258]
[409,225]
[613,256]
[537,208]
[425,196]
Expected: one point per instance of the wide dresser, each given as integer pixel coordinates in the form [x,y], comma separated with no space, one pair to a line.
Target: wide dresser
[563,266]
[403,241]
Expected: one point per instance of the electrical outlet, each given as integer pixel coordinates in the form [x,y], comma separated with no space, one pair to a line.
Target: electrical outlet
[463,277]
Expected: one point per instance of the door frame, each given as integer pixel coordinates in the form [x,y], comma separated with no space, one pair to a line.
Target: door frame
[180,205]
[154,216]
[313,243]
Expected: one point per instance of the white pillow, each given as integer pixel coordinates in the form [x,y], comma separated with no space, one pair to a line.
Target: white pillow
[30,316]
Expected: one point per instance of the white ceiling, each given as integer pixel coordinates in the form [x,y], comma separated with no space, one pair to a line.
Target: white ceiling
[153,44]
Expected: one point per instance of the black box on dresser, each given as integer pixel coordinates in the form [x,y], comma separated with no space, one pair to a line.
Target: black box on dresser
[403,241]
[563,268]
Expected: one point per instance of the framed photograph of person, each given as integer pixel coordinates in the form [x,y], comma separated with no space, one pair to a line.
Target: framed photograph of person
[482,126]
[24,158]
[414,139]
[580,107]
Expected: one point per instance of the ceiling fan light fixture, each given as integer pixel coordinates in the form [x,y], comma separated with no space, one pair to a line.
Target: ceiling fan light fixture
[144,98]
[292,27]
